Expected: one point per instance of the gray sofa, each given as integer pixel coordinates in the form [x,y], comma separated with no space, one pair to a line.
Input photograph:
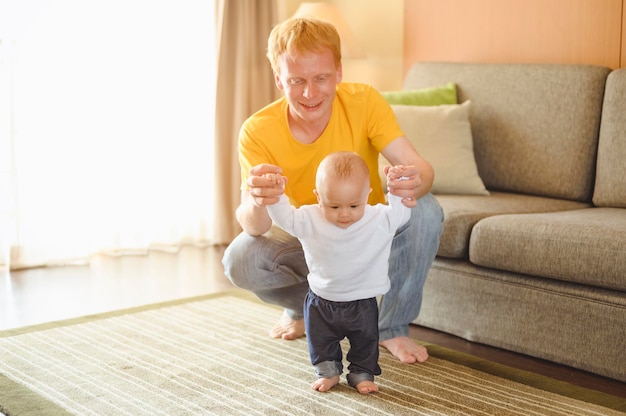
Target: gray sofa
[539,265]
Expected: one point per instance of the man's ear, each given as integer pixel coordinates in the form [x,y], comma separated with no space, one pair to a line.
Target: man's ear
[279,84]
[339,73]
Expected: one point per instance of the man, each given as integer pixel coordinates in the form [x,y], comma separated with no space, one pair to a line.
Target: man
[316,116]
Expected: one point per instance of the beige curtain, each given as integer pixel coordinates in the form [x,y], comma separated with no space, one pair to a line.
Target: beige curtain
[113,167]
[106,128]
[244,85]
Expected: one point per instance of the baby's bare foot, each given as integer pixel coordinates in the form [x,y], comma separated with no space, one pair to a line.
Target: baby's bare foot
[287,328]
[325,384]
[406,350]
[366,387]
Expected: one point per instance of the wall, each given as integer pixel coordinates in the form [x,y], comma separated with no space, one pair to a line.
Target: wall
[527,31]
[397,33]
[623,49]
[377,25]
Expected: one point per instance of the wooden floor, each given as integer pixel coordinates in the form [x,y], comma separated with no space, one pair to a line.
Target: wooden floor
[41,295]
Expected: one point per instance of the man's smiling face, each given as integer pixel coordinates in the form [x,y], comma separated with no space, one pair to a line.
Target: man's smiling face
[309,83]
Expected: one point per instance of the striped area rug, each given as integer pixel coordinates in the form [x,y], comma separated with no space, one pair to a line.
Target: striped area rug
[213,356]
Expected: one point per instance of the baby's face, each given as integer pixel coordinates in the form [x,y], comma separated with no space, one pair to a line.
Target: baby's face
[343,201]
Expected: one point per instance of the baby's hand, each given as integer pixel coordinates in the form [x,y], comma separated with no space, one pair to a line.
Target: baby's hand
[275,178]
[403,181]
[397,172]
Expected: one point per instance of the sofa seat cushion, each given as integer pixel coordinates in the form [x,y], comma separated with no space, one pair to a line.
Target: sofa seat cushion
[462,212]
[583,246]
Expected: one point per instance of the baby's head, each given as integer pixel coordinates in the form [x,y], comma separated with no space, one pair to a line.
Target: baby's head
[342,186]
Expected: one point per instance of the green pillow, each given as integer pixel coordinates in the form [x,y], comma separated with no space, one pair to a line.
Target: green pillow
[444,94]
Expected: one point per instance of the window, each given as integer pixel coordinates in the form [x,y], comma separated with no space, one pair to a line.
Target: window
[107,125]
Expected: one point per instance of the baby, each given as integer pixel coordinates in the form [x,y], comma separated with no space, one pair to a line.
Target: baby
[346,244]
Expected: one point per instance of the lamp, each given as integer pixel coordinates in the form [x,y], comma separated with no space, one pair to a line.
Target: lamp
[349,46]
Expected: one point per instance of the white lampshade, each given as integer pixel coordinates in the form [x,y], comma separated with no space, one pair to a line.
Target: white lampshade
[350,48]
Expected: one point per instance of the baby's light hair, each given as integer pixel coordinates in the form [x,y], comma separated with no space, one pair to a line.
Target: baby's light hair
[341,166]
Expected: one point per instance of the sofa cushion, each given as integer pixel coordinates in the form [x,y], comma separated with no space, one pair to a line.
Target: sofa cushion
[535,126]
[583,246]
[443,94]
[463,212]
[443,136]
[610,189]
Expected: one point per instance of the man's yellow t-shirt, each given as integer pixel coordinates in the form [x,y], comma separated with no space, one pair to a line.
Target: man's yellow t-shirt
[361,121]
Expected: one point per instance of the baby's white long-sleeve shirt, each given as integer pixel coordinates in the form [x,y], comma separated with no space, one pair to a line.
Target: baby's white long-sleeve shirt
[345,264]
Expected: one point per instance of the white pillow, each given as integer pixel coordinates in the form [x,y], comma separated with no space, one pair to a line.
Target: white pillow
[442,135]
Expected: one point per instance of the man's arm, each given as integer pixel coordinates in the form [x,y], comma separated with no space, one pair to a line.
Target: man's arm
[252,212]
[419,172]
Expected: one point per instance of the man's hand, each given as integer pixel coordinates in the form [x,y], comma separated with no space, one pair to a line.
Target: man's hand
[404,181]
[266,184]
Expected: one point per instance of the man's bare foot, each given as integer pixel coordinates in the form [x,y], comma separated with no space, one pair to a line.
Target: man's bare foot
[406,350]
[325,384]
[287,328]
[366,387]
